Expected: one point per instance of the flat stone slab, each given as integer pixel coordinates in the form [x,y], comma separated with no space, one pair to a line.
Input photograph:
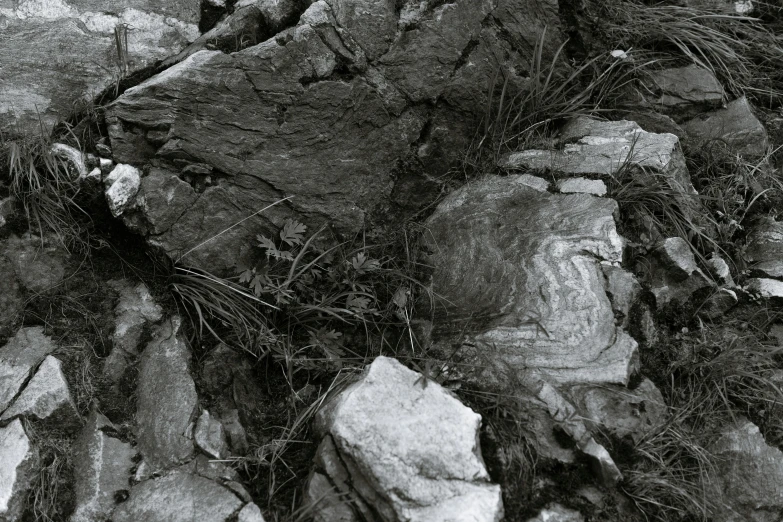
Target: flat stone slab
[764,287]
[686,90]
[47,395]
[518,272]
[735,126]
[764,248]
[595,187]
[18,460]
[417,458]
[178,497]
[167,399]
[102,468]
[23,352]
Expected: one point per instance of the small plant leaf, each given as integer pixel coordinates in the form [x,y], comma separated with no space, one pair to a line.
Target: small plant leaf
[357,303]
[362,264]
[293,232]
[267,244]
[400,298]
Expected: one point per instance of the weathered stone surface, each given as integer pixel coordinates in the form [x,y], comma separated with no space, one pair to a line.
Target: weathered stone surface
[326,112]
[71,157]
[135,310]
[720,270]
[557,513]
[602,148]
[250,513]
[685,91]
[622,289]
[764,287]
[166,398]
[102,468]
[519,273]
[751,475]
[673,274]
[718,303]
[46,396]
[23,352]
[11,297]
[39,264]
[210,436]
[18,460]
[656,123]
[58,53]
[764,251]
[122,185]
[621,411]
[595,187]
[735,126]
[178,497]
[235,432]
[401,459]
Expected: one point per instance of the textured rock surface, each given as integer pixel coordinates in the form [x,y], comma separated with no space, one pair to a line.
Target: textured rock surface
[46,396]
[324,111]
[595,187]
[178,497]
[210,436]
[39,265]
[134,311]
[11,295]
[622,289]
[602,148]
[122,185]
[520,276]
[398,461]
[23,352]
[751,473]
[250,513]
[673,274]
[685,91]
[735,126]
[764,250]
[166,399]
[17,466]
[557,513]
[102,468]
[764,287]
[58,53]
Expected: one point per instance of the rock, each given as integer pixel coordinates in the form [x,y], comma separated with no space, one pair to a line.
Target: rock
[210,436]
[519,273]
[750,473]
[764,250]
[735,126]
[18,464]
[102,469]
[656,123]
[105,166]
[104,150]
[18,358]
[60,54]
[673,274]
[166,398]
[622,289]
[417,458]
[210,469]
[718,303]
[719,269]
[595,187]
[178,497]
[686,91]
[726,7]
[601,148]
[11,296]
[557,513]
[235,432]
[250,513]
[71,157]
[135,311]
[335,105]
[46,396]
[764,288]
[621,411]
[39,264]
[122,185]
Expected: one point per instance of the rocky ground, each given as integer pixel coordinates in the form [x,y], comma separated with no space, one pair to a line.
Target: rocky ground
[258,263]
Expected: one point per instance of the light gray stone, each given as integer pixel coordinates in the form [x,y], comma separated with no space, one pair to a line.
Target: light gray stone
[166,399]
[418,457]
[178,497]
[122,185]
[764,288]
[135,311]
[595,187]
[622,289]
[210,436]
[18,358]
[46,396]
[673,274]
[557,513]
[720,270]
[18,461]
[71,157]
[518,272]
[250,513]
[685,91]
[764,250]
[735,126]
[751,475]
[102,468]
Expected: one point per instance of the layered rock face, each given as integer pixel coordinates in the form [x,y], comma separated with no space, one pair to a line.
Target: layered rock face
[325,111]
[57,53]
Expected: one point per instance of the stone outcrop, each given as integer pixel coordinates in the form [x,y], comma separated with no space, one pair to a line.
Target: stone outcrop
[327,112]
[18,358]
[397,463]
[764,250]
[735,127]
[18,461]
[519,273]
[57,54]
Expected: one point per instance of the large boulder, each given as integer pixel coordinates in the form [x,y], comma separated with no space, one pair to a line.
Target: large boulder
[417,458]
[57,54]
[517,271]
[338,112]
